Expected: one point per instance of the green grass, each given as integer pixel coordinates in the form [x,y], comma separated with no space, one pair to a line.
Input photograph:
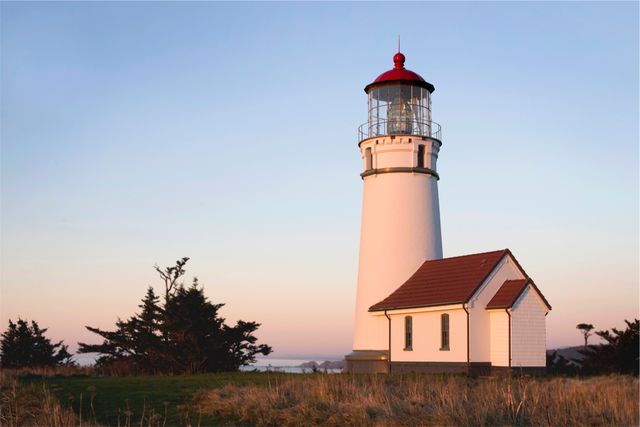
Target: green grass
[115,395]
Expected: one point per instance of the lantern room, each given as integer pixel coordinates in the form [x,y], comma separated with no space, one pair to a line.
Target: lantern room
[399,104]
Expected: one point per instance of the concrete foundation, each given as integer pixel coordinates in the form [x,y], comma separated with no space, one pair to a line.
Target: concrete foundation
[367,362]
[474,368]
[376,362]
[520,370]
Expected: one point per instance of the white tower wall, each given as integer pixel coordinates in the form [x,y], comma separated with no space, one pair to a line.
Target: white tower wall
[400,225]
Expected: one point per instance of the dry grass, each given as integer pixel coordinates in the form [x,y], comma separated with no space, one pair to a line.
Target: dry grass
[49,371]
[32,405]
[326,400]
[336,400]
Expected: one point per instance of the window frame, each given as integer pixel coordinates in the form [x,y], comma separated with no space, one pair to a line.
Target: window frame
[445,335]
[368,159]
[408,333]
[421,155]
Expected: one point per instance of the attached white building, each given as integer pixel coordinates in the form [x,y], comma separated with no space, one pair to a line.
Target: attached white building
[469,313]
[417,311]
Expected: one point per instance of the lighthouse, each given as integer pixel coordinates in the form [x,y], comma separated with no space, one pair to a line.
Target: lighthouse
[415,310]
[400,230]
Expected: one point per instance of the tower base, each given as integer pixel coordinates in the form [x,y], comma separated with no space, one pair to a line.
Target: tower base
[367,362]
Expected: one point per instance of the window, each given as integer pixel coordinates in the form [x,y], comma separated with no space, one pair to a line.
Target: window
[444,332]
[420,156]
[368,159]
[408,333]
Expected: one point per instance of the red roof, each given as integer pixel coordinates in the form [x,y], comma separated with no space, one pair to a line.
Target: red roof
[510,291]
[443,281]
[399,74]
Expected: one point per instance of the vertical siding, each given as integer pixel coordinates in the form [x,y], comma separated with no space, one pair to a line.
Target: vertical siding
[426,337]
[528,331]
[499,321]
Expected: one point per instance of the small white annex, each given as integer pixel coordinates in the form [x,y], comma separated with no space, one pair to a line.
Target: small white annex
[476,313]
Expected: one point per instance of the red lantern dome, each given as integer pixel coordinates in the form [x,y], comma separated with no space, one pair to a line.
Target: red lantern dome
[401,75]
[399,104]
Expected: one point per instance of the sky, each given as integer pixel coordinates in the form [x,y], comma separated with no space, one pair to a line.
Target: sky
[134,134]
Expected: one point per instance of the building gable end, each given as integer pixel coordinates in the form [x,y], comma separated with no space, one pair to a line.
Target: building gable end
[531,288]
[506,258]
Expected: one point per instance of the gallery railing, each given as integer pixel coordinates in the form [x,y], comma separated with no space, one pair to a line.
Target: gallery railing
[399,127]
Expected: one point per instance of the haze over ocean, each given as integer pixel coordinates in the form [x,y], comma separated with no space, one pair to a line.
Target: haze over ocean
[138,133]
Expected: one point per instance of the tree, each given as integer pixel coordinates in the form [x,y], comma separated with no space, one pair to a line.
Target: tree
[185,334]
[25,346]
[170,276]
[618,355]
[586,329]
[136,343]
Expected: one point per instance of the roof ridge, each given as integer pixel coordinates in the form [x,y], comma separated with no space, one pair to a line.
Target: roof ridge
[468,255]
[431,276]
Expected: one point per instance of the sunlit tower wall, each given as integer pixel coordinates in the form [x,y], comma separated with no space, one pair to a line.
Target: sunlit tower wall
[400,226]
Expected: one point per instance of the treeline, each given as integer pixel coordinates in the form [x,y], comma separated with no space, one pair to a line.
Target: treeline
[619,354]
[181,334]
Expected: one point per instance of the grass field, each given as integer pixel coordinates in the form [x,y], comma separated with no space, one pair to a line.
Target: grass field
[116,400]
[251,398]
[433,400]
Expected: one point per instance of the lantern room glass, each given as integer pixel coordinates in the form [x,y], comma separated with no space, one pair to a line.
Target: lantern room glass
[399,109]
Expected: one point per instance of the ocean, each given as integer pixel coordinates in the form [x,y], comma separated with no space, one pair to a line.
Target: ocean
[285,365]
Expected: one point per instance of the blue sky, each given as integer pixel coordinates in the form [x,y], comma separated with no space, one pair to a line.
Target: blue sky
[137,133]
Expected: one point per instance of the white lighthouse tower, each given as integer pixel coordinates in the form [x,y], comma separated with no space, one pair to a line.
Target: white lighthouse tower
[400,212]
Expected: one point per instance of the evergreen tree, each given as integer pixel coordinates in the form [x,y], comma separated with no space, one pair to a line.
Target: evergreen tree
[147,333]
[241,345]
[586,329]
[618,355]
[184,335]
[23,345]
[137,341]
[195,330]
